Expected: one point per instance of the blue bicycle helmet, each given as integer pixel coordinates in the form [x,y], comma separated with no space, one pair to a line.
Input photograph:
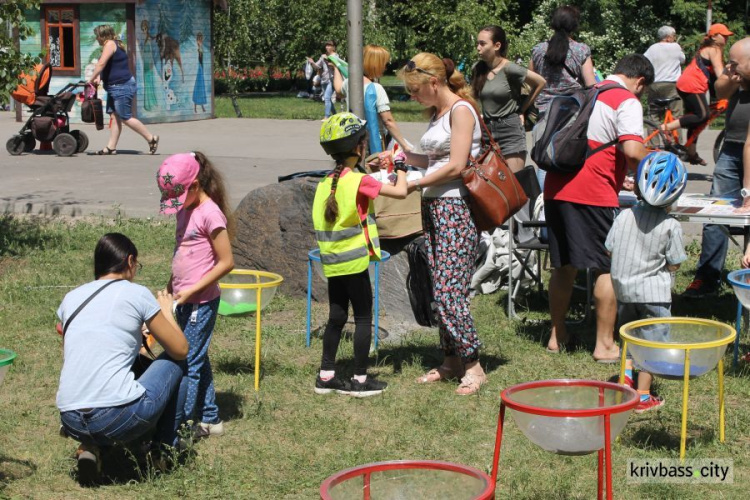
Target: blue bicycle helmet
[661,178]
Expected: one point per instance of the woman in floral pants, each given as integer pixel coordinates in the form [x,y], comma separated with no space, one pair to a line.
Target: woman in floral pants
[450,233]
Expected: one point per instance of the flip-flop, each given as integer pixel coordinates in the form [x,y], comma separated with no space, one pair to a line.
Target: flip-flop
[607,361]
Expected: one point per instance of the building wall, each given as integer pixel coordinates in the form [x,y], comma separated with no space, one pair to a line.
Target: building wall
[172,85]
[90,16]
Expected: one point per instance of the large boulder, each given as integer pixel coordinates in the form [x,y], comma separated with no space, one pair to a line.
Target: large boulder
[275,233]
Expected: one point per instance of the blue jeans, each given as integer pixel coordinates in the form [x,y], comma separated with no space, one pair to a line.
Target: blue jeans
[327,94]
[727,182]
[197,321]
[120,99]
[160,407]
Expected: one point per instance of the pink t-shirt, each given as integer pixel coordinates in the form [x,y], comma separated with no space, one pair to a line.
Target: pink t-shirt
[193,252]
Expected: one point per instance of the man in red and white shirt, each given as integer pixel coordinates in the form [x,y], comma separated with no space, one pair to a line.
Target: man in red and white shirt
[581,207]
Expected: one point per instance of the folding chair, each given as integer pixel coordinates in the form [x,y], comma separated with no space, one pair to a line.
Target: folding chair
[529,244]
[524,244]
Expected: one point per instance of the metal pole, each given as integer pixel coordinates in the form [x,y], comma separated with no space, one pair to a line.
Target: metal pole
[354,38]
[708,16]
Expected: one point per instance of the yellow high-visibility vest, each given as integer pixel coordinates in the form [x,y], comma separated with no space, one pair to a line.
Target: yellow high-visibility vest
[343,246]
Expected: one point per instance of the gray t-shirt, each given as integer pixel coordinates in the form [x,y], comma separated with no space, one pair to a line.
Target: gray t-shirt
[643,241]
[667,59]
[101,344]
[501,96]
[738,117]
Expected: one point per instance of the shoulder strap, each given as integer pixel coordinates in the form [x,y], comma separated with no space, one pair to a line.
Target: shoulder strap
[85,303]
[604,146]
[483,125]
[575,77]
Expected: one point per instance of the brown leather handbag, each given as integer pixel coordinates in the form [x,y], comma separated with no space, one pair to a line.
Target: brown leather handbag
[495,194]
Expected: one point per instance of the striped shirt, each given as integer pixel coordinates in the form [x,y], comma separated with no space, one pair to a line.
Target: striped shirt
[643,241]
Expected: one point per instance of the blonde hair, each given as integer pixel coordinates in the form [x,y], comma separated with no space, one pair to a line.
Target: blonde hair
[374,60]
[430,63]
[105,32]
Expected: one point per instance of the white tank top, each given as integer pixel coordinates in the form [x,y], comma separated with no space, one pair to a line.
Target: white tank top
[436,144]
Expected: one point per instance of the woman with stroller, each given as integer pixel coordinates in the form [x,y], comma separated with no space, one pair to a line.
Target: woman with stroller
[113,70]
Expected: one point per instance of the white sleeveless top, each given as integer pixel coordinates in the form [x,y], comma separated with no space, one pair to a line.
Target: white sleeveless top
[436,144]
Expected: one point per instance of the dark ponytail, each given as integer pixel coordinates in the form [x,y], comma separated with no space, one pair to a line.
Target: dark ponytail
[111,254]
[564,23]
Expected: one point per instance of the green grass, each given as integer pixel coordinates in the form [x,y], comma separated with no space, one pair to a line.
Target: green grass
[293,108]
[284,441]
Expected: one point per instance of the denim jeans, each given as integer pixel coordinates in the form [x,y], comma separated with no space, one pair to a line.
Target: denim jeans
[327,94]
[160,407]
[727,182]
[120,99]
[197,321]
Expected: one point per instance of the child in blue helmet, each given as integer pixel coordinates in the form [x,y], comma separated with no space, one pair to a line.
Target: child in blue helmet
[646,247]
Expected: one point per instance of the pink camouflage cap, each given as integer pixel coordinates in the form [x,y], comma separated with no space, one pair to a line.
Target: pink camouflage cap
[174,178]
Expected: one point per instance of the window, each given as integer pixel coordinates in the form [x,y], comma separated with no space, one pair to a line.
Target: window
[60,27]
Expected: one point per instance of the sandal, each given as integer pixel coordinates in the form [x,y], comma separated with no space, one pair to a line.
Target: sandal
[153,144]
[89,465]
[696,160]
[470,384]
[436,375]
[106,151]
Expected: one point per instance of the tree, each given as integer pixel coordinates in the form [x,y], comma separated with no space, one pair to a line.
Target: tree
[12,61]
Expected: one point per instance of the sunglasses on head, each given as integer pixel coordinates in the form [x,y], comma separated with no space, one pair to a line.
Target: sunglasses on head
[412,66]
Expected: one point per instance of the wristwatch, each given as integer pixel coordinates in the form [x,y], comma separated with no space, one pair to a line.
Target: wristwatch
[744,192]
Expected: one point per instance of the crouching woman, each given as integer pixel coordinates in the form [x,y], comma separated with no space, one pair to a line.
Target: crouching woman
[100,400]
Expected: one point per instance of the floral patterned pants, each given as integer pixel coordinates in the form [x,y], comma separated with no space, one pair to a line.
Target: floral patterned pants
[452,242]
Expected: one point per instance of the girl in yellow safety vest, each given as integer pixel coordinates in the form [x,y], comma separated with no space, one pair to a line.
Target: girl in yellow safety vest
[344,222]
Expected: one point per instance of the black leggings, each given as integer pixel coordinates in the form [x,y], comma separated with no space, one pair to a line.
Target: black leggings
[342,290]
[696,107]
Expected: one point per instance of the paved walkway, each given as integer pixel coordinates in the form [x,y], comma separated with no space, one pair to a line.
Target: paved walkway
[251,153]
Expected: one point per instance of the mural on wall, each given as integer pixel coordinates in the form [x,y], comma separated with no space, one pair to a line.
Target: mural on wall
[173,59]
[173,67]
[90,16]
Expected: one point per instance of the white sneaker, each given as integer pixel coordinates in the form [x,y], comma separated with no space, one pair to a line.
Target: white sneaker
[205,430]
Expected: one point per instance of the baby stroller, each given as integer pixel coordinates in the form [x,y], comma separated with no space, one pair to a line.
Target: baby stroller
[49,120]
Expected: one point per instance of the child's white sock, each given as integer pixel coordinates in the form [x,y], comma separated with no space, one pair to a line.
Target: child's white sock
[360,378]
[326,375]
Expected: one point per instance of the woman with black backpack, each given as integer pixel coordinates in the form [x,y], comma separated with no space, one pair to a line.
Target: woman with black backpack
[565,64]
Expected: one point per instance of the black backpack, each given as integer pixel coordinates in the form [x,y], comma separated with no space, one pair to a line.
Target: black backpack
[419,283]
[560,141]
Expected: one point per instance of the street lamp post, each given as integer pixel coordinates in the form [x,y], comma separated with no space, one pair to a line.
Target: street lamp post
[356,93]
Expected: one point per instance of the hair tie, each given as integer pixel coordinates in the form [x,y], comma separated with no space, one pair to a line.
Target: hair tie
[192,153]
[450,67]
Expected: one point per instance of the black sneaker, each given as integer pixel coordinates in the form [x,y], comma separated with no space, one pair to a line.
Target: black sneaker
[371,387]
[333,385]
[699,289]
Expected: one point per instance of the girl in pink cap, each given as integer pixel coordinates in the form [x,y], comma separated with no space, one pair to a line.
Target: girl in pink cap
[192,188]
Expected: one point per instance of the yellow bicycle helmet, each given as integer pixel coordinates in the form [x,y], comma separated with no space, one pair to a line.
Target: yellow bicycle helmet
[341,133]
